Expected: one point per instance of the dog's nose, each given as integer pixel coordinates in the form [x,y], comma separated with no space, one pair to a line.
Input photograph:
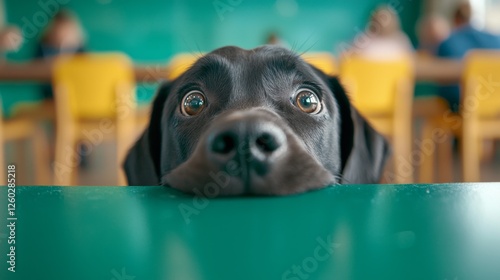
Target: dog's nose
[248,143]
[264,143]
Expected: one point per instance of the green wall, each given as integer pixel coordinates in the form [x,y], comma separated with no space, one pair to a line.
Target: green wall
[151,31]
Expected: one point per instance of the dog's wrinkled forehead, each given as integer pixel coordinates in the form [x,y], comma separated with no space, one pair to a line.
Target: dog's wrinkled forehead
[261,56]
[265,69]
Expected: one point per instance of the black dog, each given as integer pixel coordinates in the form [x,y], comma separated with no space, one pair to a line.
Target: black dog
[258,121]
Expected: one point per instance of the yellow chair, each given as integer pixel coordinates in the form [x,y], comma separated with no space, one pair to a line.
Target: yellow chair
[480,108]
[20,128]
[324,61]
[180,63]
[383,92]
[95,101]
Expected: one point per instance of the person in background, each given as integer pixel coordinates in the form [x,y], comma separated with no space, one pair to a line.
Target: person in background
[465,37]
[63,35]
[10,39]
[274,39]
[383,38]
[431,31]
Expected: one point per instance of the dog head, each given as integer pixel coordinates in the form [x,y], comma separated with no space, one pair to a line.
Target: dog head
[258,121]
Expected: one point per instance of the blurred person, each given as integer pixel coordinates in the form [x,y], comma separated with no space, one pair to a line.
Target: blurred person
[465,37]
[383,38]
[274,39]
[10,39]
[432,31]
[63,35]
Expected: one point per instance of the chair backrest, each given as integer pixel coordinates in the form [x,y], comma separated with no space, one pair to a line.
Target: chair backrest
[324,61]
[91,82]
[373,85]
[180,63]
[481,83]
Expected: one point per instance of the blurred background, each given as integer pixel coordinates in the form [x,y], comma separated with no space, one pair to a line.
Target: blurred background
[422,45]
[153,31]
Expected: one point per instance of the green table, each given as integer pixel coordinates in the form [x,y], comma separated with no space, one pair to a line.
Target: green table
[344,232]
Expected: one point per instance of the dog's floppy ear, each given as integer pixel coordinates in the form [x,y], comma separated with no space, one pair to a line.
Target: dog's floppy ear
[363,150]
[142,165]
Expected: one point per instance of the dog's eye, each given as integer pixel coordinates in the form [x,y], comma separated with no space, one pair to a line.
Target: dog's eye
[307,101]
[193,103]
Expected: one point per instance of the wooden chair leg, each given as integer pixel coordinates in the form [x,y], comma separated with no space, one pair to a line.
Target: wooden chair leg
[470,150]
[402,133]
[125,134]
[445,160]
[66,157]
[41,155]
[426,168]
[20,157]
[403,156]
